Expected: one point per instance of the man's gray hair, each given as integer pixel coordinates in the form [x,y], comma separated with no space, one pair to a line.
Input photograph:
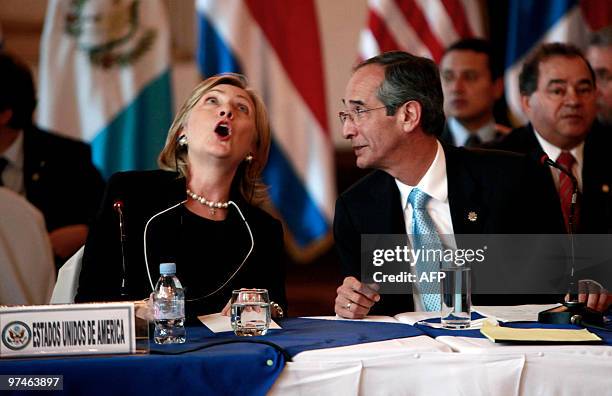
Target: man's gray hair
[409,77]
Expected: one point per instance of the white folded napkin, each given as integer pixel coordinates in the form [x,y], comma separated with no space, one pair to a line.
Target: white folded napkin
[218,323]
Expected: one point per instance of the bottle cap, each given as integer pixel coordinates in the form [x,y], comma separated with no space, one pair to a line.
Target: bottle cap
[167,268]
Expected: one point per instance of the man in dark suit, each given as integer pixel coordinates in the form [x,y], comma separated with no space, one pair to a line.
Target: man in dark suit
[472,83]
[393,117]
[54,173]
[558,96]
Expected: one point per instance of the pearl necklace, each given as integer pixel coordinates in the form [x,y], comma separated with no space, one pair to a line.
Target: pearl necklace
[212,206]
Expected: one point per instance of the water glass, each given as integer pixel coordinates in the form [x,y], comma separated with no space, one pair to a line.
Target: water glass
[250,312]
[456,297]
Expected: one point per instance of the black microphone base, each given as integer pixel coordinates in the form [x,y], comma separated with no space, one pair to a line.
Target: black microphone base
[571,313]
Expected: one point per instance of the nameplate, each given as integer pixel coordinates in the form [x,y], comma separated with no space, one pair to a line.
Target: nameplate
[70,329]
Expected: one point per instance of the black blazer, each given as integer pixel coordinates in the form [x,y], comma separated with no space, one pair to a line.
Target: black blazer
[447,136]
[596,204]
[60,178]
[490,183]
[143,195]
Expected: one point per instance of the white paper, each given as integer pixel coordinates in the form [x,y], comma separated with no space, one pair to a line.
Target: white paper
[419,317]
[412,317]
[218,323]
[513,313]
[374,318]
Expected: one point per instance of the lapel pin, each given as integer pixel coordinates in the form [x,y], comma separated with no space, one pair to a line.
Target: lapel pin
[605,188]
[472,216]
[35,176]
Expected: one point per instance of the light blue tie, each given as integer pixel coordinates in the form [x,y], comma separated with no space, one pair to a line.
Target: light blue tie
[425,237]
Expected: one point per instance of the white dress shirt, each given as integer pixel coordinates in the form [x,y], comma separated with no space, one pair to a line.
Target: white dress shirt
[461,134]
[435,184]
[553,153]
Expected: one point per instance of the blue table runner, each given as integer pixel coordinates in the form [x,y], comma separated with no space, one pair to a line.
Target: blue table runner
[235,368]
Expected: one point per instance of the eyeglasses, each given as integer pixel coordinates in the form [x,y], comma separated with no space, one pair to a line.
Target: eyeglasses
[355,114]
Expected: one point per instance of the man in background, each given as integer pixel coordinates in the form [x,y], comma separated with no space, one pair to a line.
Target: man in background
[599,55]
[54,173]
[472,83]
[558,96]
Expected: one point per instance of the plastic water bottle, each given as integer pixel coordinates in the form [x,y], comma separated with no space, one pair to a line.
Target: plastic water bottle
[169,307]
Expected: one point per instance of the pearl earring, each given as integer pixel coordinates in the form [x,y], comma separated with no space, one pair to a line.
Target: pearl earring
[182,141]
[249,158]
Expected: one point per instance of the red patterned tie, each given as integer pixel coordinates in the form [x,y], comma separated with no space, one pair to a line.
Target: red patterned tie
[566,188]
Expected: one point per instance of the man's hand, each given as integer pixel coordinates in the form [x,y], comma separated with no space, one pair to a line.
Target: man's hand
[226,311]
[597,301]
[355,299]
[593,294]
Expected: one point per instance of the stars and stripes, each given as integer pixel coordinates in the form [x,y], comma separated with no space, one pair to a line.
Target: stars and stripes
[421,27]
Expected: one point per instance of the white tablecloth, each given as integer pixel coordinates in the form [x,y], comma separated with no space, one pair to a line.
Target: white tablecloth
[448,366]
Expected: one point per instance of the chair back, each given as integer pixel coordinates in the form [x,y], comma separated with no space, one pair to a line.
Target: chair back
[27,269]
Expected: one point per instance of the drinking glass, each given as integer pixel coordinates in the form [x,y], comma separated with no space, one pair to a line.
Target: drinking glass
[456,297]
[250,312]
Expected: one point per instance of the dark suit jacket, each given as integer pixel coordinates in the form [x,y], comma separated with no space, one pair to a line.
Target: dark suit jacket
[488,183]
[596,204]
[60,179]
[447,136]
[143,195]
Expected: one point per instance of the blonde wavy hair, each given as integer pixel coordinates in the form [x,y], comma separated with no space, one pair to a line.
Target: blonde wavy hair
[248,176]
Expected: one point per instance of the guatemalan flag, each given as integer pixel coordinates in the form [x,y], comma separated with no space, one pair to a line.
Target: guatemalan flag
[533,22]
[276,45]
[421,27]
[105,78]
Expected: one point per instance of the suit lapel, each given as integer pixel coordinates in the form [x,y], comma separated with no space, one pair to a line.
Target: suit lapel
[468,212]
[594,167]
[531,143]
[33,163]
[387,215]
[596,209]
[534,146]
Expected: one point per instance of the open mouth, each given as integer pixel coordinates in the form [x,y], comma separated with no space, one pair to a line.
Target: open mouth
[223,129]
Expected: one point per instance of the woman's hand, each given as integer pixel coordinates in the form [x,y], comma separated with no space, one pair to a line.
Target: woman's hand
[146,311]
[227,309]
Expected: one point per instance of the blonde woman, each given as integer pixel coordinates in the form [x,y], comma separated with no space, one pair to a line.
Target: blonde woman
[191,212]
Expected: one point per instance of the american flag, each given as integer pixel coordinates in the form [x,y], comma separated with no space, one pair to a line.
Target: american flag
[421,27]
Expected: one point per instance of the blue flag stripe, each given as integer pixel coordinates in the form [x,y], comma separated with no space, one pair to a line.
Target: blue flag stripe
[304,219]
[529,20]
[213,56]
[113,148]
